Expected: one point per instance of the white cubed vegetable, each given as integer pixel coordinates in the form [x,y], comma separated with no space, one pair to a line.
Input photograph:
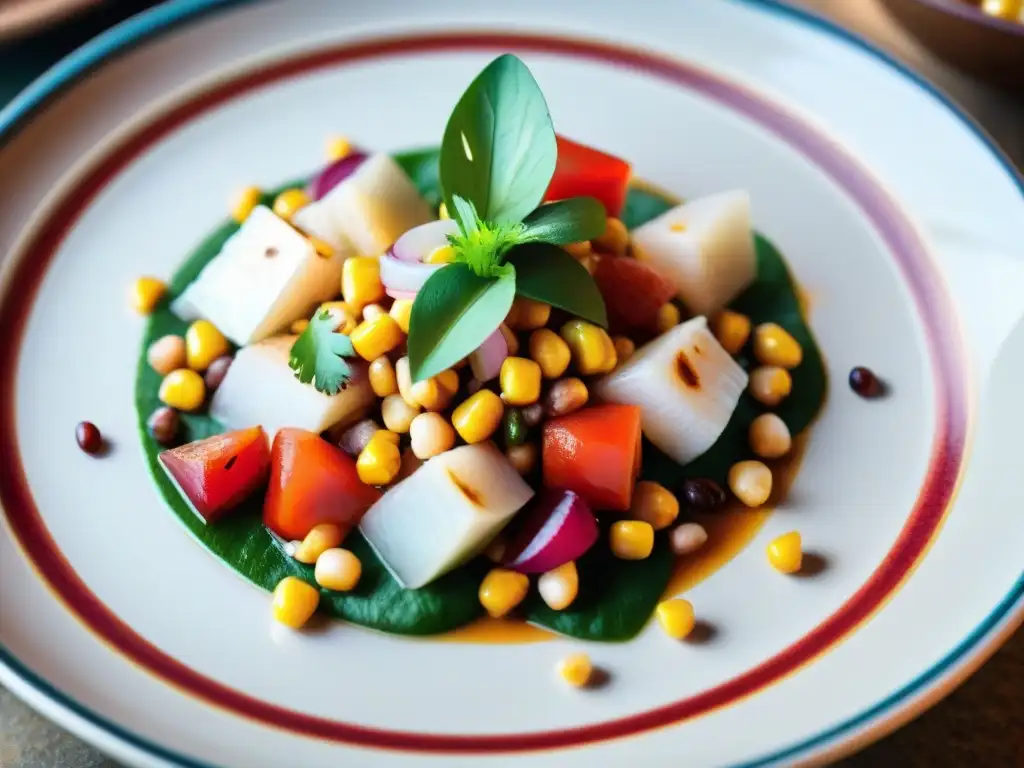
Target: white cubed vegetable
[704,247]
[265,277]
[371,208]
[444,513]
[260,388]
[687,387]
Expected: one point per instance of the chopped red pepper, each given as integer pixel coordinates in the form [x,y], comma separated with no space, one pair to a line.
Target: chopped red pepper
[312,482]
[585,171]
[217,474]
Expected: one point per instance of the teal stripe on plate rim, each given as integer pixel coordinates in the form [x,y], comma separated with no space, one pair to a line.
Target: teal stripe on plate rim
[134,31]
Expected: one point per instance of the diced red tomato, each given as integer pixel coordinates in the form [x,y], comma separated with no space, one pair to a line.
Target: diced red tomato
[312,482]
[596,453]
[583,170]
[217,474]
[632,291]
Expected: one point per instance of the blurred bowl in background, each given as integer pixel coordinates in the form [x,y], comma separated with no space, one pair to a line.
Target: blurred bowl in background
[958,31]
[22,17]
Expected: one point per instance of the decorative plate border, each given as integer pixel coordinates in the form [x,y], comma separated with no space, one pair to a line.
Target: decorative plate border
[155,21]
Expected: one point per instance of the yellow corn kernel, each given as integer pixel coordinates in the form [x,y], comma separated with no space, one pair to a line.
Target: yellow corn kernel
[360,281]
[435,393]
[298,327]
[655,504]
[478,416]
[558,588]
[448,381]
[342,313]
[550,352]
[769,436]
[398,414]
[511,340]
[338,570]
[390,435]
[502,590]
[592,348]
[615,237]
[338,148]
[183,389]
[295,601]
[774,346]
[632,539]
[520,381]
[750,482]
[576,669]
[430,434]
[380,460]
[244,202]
[668,317]
[370,311]
[404,375]
[401,310]
[731,329]
[382,377]
[770,384]
[146,293]
[785,553]
[443,254]
[442,211]
[676,617]
[204,344]
[624,349]
[528,315]
[373,338]
[580,250]
[289,202]
[319,539]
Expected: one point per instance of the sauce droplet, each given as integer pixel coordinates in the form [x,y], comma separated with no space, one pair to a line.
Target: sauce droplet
[89,438]
[864,382]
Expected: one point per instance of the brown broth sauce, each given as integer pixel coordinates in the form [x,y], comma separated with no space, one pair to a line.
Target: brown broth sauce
[729,532]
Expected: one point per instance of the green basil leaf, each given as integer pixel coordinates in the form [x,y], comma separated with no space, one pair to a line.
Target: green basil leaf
[546,273]
[565,221]
[454,312]
[499,148]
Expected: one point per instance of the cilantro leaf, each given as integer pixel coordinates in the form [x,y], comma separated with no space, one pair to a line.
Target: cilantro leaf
[318,354]
[480,245]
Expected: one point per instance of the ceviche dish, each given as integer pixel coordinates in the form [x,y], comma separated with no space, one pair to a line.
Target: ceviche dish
[498,380]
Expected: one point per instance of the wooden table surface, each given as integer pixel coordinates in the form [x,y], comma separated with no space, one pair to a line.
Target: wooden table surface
[981,724]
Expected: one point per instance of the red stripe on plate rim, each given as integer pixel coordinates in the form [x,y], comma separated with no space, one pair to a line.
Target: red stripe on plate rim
[945,344]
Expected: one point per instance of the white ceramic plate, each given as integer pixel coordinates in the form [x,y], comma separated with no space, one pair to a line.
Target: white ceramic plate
[897,216]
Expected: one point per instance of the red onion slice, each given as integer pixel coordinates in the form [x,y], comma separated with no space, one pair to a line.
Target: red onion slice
[558,527]
[404,276]
[334,174]
[419,242]
[486,361]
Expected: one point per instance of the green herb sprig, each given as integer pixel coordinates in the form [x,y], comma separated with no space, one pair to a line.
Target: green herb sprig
[497,159]
[318,355]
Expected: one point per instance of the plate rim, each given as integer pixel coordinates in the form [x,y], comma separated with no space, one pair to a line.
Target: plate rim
[918,694]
